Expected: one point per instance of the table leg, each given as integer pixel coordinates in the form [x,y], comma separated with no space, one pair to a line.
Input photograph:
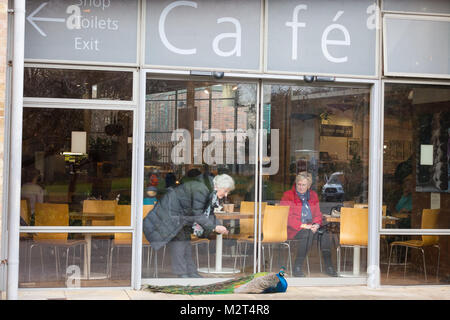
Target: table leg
[87,261]
[219,243]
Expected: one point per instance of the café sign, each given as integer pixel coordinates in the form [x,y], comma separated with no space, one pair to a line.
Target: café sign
[329,37]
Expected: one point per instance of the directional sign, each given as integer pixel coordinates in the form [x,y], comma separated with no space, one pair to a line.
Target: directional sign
[97,31]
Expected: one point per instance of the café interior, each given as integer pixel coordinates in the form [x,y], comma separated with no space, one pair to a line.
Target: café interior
[79,174]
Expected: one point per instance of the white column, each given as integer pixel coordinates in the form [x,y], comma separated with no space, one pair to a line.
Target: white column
[15,163]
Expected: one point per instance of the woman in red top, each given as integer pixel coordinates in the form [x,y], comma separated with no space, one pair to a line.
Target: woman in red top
[304,222]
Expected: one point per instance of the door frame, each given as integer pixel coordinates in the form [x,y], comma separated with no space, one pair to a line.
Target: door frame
[375,174]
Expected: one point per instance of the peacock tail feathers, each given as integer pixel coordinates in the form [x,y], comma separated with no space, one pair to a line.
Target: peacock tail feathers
[261,282]
[224,287]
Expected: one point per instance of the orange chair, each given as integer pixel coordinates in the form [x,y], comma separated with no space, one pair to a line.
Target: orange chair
[53,214]
[429,221]
[246,226]
[122,217]
[274,232]
[353,230]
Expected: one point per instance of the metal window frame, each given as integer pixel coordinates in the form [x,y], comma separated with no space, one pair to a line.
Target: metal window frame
[410,232]
[169,74]
[81,104]
[372,279]
[402,16]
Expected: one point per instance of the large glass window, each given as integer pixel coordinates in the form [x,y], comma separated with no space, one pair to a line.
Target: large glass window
[196,131]
[76,171]
[416,181]
[78,84]
[318,154]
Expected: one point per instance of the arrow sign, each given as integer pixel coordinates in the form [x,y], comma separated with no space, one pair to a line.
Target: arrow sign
[31,19]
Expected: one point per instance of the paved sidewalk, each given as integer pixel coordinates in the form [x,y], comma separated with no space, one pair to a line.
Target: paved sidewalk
[293,293]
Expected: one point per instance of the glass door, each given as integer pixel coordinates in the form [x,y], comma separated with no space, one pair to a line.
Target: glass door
[319,135]
[199,173]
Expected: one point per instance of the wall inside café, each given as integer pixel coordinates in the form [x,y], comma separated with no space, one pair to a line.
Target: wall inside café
[3,64]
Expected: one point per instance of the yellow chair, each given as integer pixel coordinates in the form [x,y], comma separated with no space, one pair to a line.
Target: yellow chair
[246,226]
[429,221]
[274,231]
[122,217]
[103,210]
[353,230]
[53,214]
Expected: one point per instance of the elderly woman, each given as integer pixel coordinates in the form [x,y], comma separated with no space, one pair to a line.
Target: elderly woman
[187,209]
[304,222]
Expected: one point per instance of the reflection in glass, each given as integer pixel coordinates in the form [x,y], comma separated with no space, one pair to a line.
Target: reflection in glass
[81,159]
[323,131]
[195,128]
[62,260]
[416,153]
[425,256]
[78,84]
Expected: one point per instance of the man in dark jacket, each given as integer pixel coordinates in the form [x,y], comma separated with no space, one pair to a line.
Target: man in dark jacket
[183,210]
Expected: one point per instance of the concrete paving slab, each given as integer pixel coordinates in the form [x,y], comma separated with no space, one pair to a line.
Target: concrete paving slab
[293,293]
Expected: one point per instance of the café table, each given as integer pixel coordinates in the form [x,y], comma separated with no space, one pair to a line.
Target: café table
[87,219]
[357,249]
[222,216]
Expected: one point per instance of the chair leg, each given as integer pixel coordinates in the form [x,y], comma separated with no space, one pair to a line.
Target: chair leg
[406,259]
[389,262]
[196,252]
[338,258]
[424,264]
[439,255]
[307,264]
[156,264]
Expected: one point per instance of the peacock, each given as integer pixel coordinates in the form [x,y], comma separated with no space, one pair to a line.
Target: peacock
[261,282]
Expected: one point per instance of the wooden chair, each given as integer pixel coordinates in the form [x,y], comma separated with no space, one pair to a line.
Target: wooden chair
[53,214]
[246,226]
[429,221]
[123,217]
[353,230]
[101,207]
[274,231]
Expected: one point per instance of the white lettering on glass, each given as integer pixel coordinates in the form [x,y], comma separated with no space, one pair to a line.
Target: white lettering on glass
[213,153]
[162,31]
[294,24]
[326,42]
[373,21]
[236,35]
[74,20]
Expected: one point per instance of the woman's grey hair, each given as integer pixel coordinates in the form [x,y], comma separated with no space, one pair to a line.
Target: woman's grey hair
[304,176]
[223,181]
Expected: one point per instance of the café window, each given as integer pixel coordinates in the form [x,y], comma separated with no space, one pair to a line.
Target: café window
[82,158]
[78,84]
[415,183]
[415,155]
